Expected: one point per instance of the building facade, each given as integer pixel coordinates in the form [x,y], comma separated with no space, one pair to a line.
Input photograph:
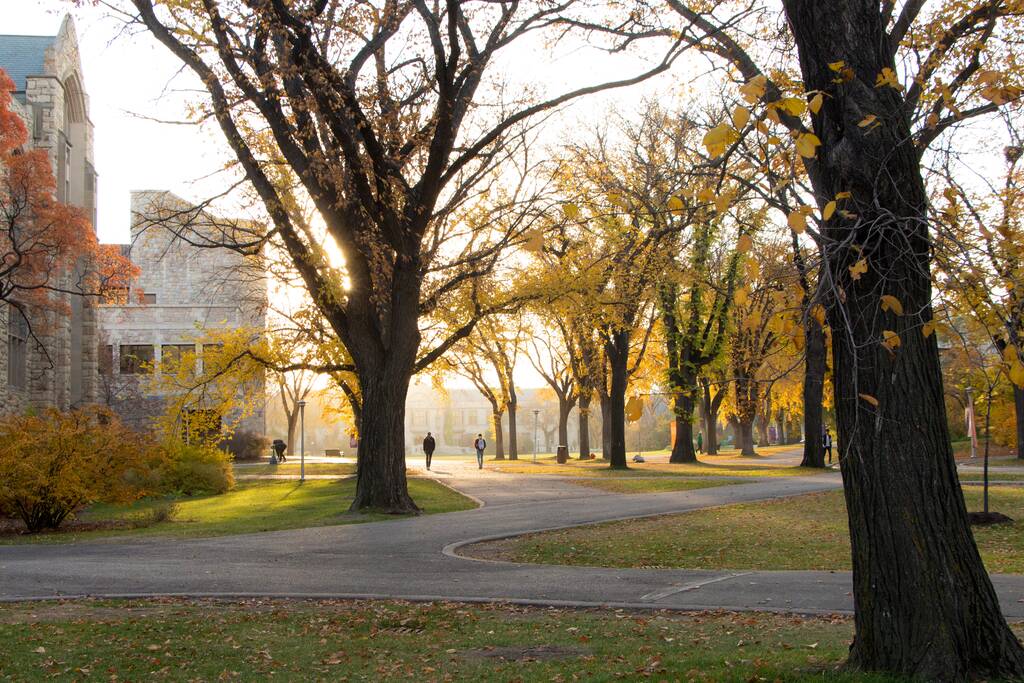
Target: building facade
[183,292]
[51,360]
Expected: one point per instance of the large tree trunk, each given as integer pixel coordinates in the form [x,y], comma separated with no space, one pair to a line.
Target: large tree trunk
[584,426]
[564,408]
[617,350]
[499,438]
[924,604]
[711,406]
[745,436]
[1018,406]
[513,434]
[293,423]
[762,432]
[746,411]
[606,426]
[682,449]
[380,473]
[815,360]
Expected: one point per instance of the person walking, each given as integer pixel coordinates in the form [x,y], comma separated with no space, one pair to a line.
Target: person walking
[279,448]
[700,442]
[428,448]
[826,442]
[479,444]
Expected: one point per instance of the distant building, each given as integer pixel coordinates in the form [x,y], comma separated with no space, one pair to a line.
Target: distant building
[58,367]
[183,289]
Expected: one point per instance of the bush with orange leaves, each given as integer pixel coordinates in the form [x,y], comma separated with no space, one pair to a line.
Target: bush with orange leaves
[54,463]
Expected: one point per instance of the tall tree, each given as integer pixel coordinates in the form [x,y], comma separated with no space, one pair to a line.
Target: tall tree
[981,253]
[388,122]
[925,606]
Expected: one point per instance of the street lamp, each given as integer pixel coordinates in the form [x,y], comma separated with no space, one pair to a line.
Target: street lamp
[971,429]
[302,441]
[536,412]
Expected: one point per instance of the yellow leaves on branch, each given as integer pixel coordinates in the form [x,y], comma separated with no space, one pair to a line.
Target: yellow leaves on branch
[890,340]
[754,89]
[571,211]
[1017,374]
[742,296]
[888,78]
[818,313]
[797,219]
[891,303]
[829,210]
[807,145]
[534,242]
[858,269]
[675,205]
[870,122]
[718,139]
[740,117]
[868,398]
[744,244]
[815,103]
[993,92]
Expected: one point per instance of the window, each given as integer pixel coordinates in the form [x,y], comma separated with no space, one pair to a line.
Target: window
[17,347]
[106,359]
[67,172]
[148,298]
[171,354]
[136,359]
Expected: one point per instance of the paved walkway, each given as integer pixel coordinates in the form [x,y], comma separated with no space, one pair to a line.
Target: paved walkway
[415,558]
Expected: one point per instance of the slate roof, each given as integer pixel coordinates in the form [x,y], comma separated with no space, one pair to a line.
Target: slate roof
[22,56]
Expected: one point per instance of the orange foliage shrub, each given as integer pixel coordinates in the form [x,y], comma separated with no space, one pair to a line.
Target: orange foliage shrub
[54,463]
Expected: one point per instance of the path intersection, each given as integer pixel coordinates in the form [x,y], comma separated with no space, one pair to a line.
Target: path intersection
[418,558]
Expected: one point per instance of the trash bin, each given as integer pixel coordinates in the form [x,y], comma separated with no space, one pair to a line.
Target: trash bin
[562,455]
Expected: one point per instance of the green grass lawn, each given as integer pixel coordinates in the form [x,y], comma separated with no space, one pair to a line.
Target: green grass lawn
[709,466]
[376,641]
[978,476]
[249,507]
[803,532]
[341,468]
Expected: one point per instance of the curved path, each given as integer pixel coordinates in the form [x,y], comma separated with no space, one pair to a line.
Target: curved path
[414,558]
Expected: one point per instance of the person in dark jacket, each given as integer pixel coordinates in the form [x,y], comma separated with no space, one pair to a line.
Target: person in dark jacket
[479,444]
[428,447]
[279,449]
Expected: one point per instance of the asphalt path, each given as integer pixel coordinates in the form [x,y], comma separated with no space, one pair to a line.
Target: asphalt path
[418,558]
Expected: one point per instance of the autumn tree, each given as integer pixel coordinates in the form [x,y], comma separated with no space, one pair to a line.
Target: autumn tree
[389,121]
[893,77]
[48,249]
[981,245]
[763,313]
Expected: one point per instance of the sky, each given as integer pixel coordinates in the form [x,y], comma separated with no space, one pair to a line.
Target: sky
[136,87]
[137,91]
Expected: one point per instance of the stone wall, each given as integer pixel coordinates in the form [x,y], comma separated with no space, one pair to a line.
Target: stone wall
[61,359]
[182,292]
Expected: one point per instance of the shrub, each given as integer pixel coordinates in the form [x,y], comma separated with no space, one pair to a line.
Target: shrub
[246,445]
[196,468]
[53,463]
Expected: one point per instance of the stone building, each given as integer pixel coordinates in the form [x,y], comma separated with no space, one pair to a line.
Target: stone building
[56,364]
[183,291]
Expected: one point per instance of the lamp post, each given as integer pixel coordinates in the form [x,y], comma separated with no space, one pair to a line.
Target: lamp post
[302,441]
[536,412]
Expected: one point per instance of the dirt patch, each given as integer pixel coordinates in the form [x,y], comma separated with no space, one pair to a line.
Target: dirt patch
[499,551]
[988,518]
[535,653]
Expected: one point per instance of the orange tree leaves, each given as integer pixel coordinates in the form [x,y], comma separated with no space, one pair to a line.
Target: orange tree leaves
[41,239]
